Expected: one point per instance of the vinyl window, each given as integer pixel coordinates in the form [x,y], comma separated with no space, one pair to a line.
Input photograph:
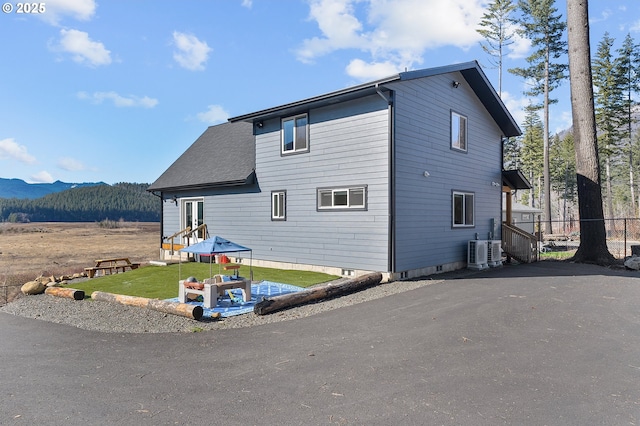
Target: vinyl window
[350,198]
[279,205]
[295,134]
[463,209]
[458,131]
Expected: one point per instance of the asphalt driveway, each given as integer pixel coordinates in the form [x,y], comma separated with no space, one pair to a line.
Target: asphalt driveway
[542,344]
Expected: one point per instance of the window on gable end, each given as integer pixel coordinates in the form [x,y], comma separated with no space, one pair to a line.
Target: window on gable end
[458,131]
[295,134]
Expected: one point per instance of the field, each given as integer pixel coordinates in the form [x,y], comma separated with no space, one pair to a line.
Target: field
[28,250]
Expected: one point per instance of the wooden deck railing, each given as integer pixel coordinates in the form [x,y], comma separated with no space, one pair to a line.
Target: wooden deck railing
[519,244]
[187,234]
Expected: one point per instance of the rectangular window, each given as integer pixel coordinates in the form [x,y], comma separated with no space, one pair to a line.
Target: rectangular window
[458,131]
[278,205]
[351,198]
[295,134]
[463,209]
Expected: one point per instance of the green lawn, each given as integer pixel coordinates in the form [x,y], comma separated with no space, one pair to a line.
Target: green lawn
[161,282]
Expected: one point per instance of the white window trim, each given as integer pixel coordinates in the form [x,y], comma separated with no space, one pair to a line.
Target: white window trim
[294,150]
[275,197]
[466,131]
[346,189]
[464,204]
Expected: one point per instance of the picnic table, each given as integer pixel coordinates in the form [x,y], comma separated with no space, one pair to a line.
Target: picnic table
[111,266]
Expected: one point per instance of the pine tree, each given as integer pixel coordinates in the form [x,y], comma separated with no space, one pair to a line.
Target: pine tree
[531,150]
[497,28]
[609,110]
[544,26]
[628,70]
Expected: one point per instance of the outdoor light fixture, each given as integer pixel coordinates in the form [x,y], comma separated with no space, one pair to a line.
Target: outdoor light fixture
[175,200]
[259,124]
[455,84]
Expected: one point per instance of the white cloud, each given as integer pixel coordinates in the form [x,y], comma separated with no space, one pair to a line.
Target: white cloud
[83,50]
[42,177]
[191,53]
[213,115]
[393,32]
[71,164]
[247,3]
[10,150]
[516,106]
[56,10]
[519,48]
[362,70]
[120,101]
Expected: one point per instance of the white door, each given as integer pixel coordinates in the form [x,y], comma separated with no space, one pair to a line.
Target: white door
[193,216]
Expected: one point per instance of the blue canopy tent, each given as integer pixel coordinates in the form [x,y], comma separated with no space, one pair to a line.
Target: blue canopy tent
[217,245]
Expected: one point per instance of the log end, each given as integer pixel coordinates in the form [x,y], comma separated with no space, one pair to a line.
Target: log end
[197,312]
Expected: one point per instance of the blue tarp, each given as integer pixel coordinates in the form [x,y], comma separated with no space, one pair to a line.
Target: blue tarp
[215,245]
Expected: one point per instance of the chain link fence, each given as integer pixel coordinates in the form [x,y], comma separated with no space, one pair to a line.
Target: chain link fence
[622,235]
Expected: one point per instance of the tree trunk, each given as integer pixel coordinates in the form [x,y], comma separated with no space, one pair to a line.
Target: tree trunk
[546,173]
[286,301]
[593,242]
[181,309]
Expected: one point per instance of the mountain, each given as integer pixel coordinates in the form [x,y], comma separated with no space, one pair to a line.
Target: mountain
[17,188]
[126,201]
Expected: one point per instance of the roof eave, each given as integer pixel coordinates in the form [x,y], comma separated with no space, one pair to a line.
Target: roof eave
[317,101]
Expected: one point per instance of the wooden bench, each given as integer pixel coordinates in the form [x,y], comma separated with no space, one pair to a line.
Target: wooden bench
[112,266]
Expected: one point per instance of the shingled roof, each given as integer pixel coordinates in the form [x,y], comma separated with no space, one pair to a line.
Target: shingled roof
[224,155]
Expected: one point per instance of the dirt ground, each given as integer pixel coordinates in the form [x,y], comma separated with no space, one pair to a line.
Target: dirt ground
[61,248]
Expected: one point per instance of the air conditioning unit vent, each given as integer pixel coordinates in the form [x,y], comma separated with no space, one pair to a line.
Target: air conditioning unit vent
[477,256]
[494,253]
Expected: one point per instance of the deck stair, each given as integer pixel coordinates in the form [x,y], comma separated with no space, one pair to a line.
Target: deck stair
[518,244]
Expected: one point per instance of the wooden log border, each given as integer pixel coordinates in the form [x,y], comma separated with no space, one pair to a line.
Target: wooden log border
[180,309]
[285,301]
[70,293]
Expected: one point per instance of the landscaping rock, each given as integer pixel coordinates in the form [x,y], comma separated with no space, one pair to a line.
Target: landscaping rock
[633,263]
[33,287]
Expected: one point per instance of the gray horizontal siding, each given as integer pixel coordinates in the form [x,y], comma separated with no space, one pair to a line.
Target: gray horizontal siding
[424,235]
[348,147]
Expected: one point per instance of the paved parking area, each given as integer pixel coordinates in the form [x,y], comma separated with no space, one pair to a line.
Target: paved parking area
[544,344]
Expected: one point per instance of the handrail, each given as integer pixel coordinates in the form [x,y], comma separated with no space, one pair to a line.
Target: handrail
[186,232]
[519,244]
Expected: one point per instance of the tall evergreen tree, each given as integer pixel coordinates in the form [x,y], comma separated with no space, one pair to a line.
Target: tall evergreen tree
[531,150]
[544,26]
[628,70]
[609,110]
[593,240]
[497,28]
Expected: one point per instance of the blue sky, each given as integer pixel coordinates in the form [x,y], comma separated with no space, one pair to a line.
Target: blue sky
[116,90]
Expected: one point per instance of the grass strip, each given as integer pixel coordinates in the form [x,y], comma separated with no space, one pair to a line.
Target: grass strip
[161,282]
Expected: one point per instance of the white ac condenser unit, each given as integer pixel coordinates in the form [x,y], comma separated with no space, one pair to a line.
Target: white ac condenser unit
[494,253]
[477,255]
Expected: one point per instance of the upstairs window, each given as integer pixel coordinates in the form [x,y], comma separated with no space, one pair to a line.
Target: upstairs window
[463,211]
[278,205]
[295,134]
[458,131]
[353,198]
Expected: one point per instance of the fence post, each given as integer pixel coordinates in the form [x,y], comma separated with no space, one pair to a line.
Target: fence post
[625,237]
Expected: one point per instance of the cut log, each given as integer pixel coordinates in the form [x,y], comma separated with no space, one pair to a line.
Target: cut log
[70,293]
[286,301]
[181,309]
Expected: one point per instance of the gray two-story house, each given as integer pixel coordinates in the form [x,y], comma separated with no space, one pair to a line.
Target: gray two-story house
[396,175]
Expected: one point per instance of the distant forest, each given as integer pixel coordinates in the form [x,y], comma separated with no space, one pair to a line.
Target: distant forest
[122,201]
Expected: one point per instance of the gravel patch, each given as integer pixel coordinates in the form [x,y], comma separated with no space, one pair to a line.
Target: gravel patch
[115,318]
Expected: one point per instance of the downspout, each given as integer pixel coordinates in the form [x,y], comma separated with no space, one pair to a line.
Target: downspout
[391,259]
